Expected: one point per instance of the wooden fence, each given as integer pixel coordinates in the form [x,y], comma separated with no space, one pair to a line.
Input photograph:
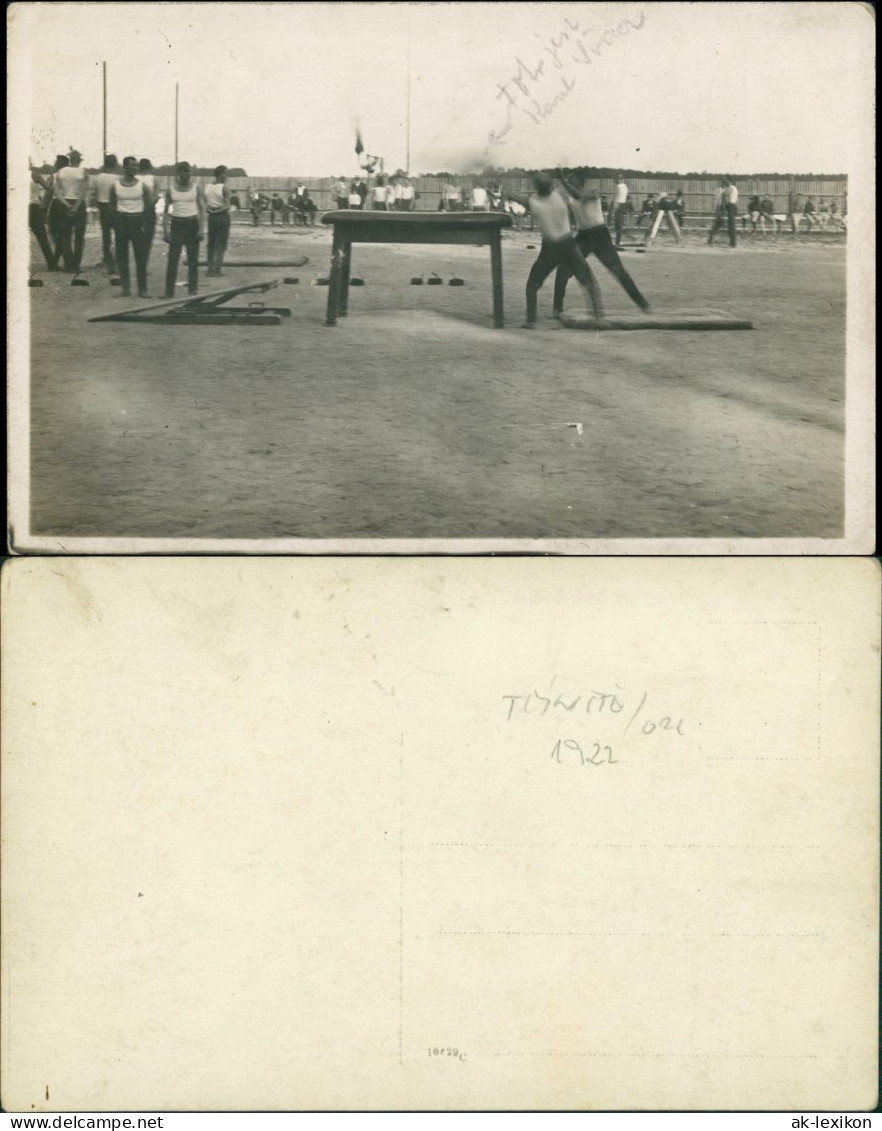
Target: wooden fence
[699,193]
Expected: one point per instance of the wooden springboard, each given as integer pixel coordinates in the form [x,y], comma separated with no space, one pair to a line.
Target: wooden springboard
[204,310]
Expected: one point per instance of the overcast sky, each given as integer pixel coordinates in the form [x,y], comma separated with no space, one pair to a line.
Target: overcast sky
[276,88]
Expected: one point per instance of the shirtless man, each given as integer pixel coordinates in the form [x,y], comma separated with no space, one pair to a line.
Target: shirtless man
[593,238]
[549,208]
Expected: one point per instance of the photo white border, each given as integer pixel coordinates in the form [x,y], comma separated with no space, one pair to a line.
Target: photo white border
[859,535]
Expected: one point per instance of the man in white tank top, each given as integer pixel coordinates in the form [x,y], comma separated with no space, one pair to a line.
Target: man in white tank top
[727,209]
[128,201]
[147,176]
[381,195]
[102,183]
[71,190]
[217,205]
[479,198]
[549,209]
[182,227]
[620,206]
[407,196]
[341,192]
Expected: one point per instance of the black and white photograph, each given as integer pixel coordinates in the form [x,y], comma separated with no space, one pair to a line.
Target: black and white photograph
[441,278]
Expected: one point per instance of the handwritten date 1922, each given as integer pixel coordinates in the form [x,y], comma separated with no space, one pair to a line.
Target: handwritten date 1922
[595,755]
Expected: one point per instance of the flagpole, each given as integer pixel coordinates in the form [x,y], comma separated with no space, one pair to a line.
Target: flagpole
[407,162]
[103,110]
[176,123]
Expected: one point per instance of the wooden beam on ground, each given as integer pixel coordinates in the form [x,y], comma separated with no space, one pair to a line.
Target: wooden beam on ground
[660,320]
[261,262]
[210,300]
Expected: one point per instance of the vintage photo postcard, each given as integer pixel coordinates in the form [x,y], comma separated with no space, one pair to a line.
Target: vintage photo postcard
[573,278]
[440,834]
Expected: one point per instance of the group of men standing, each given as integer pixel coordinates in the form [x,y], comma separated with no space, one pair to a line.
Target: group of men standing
[57,210]
[388,194]
[126,197]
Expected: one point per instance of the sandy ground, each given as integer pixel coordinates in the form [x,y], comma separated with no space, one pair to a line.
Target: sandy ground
[415,418]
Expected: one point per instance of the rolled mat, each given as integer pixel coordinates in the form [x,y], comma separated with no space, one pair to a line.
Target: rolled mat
[674,320]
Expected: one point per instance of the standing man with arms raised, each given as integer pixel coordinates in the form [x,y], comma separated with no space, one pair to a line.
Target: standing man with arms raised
[217,205]
[183,224]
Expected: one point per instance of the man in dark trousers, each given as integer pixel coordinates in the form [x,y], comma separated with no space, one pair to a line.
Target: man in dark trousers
[647,209]
[55,210]
[71,189]
[256,207]
[40,188]
[217,207]
[620,207]
[103,183]
[593,238]
[341,192]
[148,177]
[727,209]
[129,200]
[679,208]
[183,224]
[548,207]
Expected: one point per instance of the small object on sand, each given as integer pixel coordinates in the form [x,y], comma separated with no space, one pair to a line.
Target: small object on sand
[35,282]
[356,281]
[436,280]
[292,279]
[531,247]
[578,426]
[323,281]
[76,281]
[456,282]
[416,280]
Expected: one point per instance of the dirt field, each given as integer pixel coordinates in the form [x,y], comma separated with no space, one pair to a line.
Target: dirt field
[415,418]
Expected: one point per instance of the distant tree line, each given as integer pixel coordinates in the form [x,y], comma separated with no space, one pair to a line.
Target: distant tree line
[605,172]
